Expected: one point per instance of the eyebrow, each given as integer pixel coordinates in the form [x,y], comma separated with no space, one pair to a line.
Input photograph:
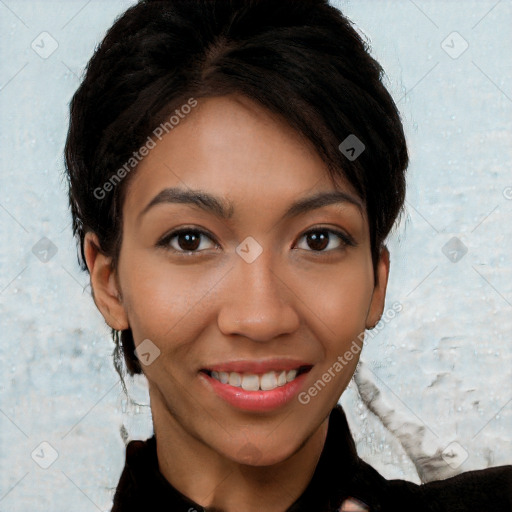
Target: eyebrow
[224,209]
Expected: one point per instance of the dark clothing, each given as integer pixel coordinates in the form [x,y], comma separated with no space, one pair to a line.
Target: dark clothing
[339,474]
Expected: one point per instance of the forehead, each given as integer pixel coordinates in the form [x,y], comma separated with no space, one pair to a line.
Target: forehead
[233,148]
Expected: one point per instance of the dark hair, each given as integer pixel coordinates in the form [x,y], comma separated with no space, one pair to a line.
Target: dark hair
[300,59]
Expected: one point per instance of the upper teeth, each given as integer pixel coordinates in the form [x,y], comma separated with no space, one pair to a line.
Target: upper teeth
[252,382]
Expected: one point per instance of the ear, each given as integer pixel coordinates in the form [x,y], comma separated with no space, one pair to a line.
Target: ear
[379,291]
[105,289]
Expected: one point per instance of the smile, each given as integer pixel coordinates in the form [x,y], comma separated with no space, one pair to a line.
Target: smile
[257,382]
[256,385]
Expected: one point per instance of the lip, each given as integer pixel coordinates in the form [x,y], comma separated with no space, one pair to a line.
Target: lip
[255,401]
[258,366]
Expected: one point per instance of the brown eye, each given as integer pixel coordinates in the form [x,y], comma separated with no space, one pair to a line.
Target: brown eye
[186,240]
[317,240]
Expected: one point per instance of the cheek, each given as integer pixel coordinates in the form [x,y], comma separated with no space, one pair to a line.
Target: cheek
[163,299]
[340,304]
[341,307]
[341,299]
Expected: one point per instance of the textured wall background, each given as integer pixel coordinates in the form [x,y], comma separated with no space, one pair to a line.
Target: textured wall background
[433,393]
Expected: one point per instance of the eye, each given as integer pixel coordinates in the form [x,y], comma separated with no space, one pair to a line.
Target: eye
[319,239]
[186,240]
[193,240]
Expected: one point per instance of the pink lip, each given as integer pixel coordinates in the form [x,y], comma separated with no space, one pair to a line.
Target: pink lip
[259,401]
[258,367]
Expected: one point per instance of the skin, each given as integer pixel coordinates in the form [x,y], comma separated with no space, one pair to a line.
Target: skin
[212,306]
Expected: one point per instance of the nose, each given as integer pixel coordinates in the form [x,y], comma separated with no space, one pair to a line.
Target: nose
[259,302]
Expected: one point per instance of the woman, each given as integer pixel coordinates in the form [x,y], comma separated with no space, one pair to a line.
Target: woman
[235,168]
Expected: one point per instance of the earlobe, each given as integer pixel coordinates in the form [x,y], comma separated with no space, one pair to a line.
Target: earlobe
[106,292]
[379,292]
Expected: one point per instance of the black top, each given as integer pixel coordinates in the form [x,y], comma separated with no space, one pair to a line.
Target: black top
[339,474]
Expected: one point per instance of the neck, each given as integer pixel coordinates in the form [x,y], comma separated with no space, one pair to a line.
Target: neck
[219,483]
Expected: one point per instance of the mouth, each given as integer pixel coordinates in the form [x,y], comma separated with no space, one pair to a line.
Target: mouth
[251,381]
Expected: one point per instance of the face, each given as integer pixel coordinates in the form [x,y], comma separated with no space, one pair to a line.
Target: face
[238,282]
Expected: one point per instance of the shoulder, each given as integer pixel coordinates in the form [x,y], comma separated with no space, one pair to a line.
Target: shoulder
[483,489]
[480,490]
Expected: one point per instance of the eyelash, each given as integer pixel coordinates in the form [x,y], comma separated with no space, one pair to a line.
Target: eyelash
[345,239]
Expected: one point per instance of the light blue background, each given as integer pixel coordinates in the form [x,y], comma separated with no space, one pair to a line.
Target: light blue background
[434,385]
